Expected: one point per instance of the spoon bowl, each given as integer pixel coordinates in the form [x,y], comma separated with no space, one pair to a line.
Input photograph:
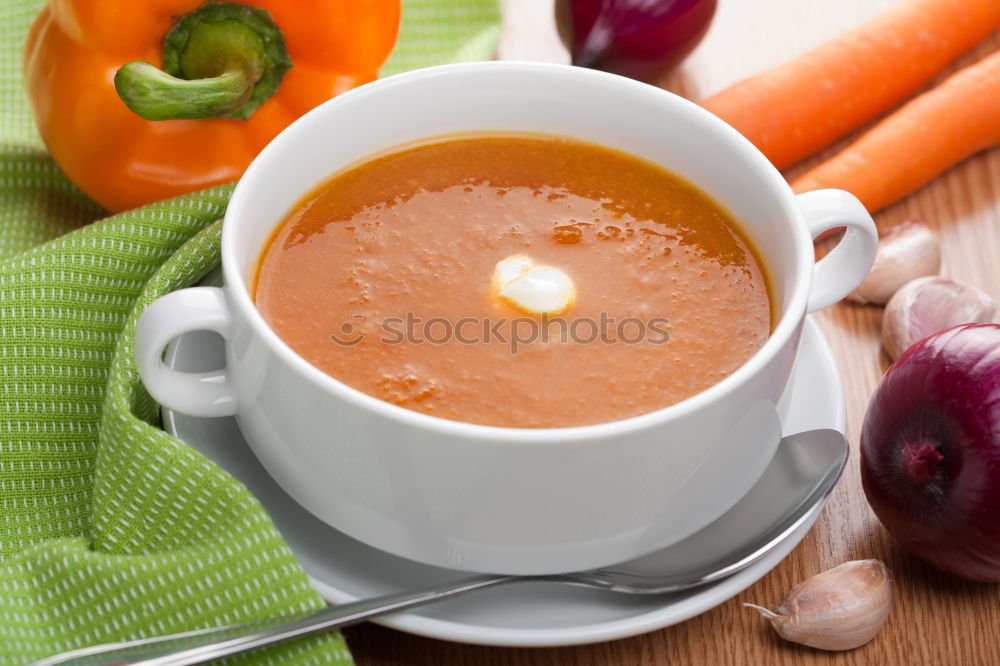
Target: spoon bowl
[808,466]
[790,491]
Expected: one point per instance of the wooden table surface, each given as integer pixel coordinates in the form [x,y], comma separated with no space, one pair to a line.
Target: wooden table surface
[936,619]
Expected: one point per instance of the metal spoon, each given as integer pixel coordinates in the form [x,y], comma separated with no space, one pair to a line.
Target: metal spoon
[793,487]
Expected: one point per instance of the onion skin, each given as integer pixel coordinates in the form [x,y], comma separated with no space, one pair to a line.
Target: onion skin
[642,39]
[930,451]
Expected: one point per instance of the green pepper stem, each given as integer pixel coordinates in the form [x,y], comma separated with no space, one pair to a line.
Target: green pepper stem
[224,59]
[155,95]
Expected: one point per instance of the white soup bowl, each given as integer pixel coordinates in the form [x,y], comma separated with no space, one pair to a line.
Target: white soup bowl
[482,498]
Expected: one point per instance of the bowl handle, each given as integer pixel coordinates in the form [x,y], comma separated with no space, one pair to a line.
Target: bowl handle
[202,394]
[839,272]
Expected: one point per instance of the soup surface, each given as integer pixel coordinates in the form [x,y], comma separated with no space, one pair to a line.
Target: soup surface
[382,277]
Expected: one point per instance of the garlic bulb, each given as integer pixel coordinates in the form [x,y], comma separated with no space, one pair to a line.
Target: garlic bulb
[839,609]
[928,305]
[905,253]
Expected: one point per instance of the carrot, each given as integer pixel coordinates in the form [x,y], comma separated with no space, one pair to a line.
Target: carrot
[934,131]
[797,108]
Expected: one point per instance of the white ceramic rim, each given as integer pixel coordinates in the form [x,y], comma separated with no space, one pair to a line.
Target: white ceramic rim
[239,294]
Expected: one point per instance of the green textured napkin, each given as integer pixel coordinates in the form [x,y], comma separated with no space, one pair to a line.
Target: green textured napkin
[110,528]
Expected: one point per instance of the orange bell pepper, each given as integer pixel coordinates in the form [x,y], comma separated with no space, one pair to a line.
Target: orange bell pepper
[236,75]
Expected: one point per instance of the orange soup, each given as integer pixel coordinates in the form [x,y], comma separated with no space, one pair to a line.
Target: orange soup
[391,278]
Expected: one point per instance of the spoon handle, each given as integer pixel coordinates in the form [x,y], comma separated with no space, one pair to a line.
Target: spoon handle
[196,647]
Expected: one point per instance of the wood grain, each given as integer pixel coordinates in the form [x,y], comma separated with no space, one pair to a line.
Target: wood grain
[936,619]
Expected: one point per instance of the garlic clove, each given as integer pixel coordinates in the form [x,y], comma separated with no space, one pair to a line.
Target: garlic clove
[905,252]
[839,609]
[928,305]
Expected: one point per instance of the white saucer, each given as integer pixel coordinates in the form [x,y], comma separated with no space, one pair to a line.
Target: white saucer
[528,614]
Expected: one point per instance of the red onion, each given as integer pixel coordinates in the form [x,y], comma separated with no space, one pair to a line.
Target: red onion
[930,450]
[642,39]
